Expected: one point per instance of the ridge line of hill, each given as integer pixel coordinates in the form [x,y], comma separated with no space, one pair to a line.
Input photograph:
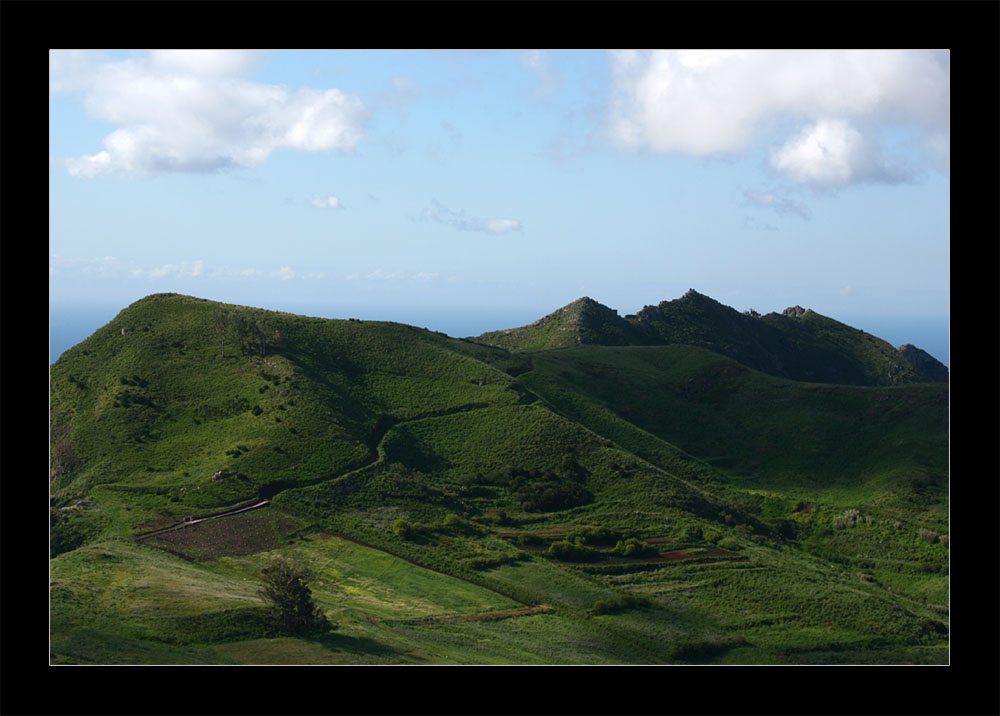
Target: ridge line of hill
[797,343]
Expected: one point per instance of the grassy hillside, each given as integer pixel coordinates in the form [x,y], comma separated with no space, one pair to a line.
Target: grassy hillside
[798,343]
[763,432]
[585,321]
[460,503]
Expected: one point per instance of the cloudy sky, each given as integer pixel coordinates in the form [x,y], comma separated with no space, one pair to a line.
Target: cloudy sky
[335,182]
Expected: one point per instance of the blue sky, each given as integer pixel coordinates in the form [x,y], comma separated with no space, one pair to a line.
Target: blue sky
[334,183]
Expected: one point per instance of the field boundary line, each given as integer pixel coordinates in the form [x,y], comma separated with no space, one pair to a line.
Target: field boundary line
[187,522]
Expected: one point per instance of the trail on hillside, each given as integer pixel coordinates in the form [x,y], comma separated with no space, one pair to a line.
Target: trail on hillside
[195,520]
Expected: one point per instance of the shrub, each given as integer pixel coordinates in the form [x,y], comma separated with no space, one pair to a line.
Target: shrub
[598,534]
[928,535]
[567,551]
[455,524]
[691,533]
[633,547]
[730,543]
[612,606]
[405,530]
[849,519]
[711,536]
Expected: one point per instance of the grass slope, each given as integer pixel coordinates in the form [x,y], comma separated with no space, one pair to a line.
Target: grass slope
[465,504]
[798,343]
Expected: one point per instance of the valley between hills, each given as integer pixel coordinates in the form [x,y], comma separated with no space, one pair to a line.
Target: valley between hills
[684,485]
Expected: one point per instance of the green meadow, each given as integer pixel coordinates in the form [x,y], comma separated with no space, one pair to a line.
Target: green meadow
[552,502]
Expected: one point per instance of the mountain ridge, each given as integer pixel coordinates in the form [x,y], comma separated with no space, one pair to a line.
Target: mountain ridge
[667,503]
[797,343]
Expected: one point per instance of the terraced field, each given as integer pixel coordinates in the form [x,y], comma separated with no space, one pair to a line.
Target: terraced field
[463,504]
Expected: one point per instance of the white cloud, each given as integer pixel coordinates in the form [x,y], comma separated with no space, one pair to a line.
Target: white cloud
[111,267]
[192,111]
[846,290]
[464,222]
[832,151]
[73,70]
[330,202]
[175,270]
[771,200]
[500,226]
[380,274]
[105,266]
[204,62]
[711,103]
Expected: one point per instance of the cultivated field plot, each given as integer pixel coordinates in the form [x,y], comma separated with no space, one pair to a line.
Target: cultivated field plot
[247,533]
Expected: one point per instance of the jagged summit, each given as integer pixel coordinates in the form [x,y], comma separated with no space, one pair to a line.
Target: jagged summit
[797,343]
[691,294]
[797,312]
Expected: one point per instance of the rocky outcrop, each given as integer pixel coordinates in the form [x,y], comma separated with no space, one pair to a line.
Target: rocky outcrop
[927,366]
[797,343]
[796,312]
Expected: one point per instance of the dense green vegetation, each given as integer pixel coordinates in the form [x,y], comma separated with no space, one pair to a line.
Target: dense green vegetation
[797,343]
[455,502]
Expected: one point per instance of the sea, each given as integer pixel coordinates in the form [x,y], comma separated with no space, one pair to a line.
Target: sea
[69,325]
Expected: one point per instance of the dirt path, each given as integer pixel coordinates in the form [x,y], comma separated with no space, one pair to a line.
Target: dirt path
[195,520]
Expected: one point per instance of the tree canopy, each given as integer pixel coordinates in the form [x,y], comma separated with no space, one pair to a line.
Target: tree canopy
[290,600]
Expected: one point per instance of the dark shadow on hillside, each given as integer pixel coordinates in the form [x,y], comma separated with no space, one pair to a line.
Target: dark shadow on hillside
[358,646]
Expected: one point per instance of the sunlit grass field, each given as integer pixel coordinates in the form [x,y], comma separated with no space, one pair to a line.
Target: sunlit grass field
[460,504]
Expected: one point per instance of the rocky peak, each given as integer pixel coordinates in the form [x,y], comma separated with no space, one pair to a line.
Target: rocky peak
[691,294]
[927,366]
[796,312]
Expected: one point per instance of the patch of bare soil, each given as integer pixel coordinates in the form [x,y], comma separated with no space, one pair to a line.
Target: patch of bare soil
[248,533]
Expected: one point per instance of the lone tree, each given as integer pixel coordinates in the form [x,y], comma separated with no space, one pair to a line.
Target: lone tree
[291,602]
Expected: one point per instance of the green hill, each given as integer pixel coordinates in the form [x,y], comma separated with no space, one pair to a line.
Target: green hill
[797,343]
[464,503]
[583,322]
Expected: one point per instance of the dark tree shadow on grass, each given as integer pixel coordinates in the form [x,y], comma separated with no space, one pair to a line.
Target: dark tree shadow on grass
[359,646]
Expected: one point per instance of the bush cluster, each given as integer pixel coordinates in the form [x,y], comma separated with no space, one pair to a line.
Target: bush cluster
[613,606]
[633,547]
[928,535]
[599,534]
[543,491]
[567,551]
[850,518]
[409,531]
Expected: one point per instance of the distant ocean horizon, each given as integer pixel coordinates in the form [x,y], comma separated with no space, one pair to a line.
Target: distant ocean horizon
[69,325]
